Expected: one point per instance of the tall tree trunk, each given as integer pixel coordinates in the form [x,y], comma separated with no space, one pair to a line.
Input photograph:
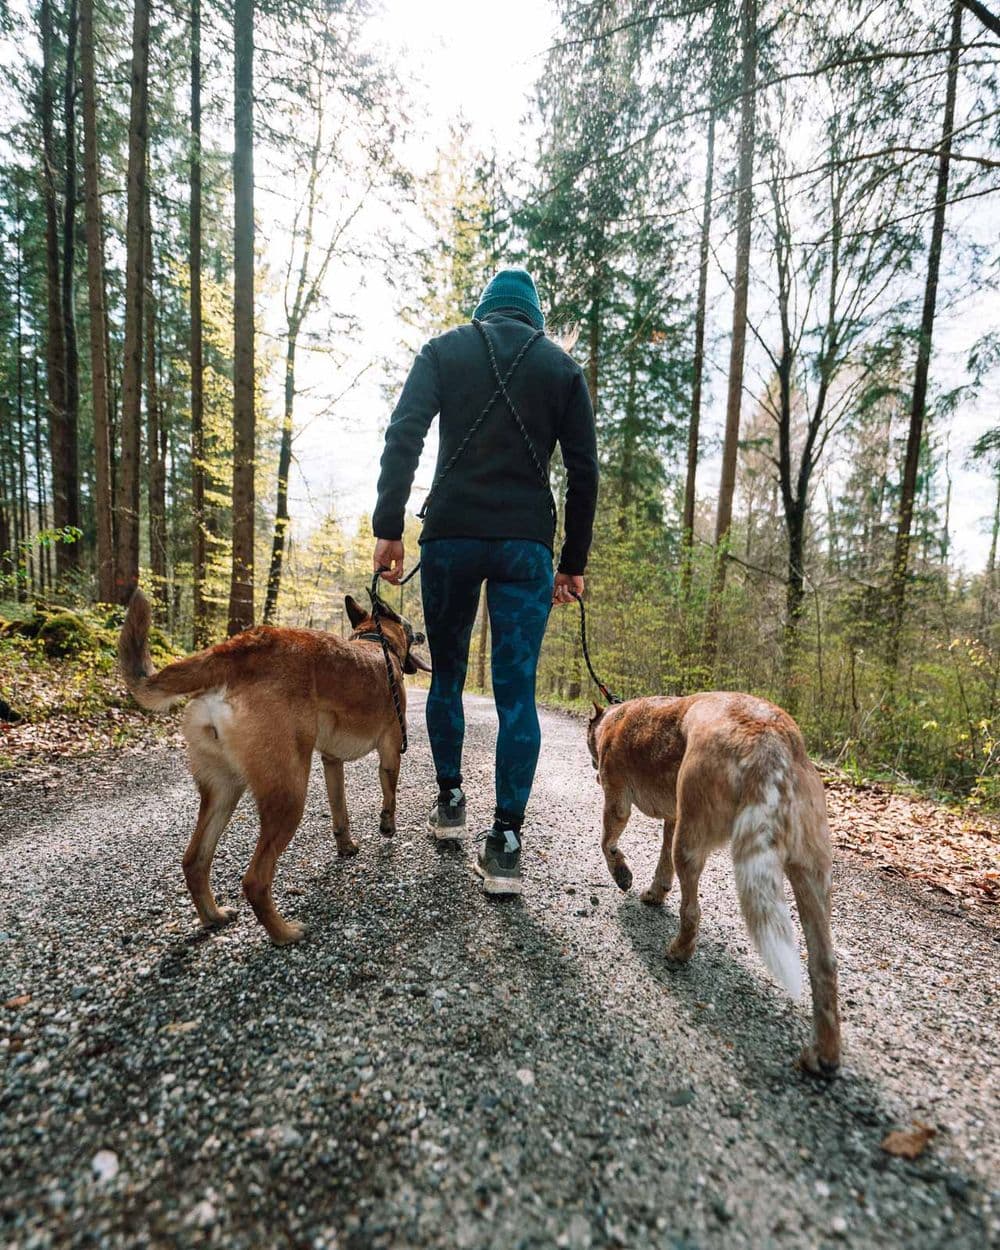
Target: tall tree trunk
[629,436]
[594,343]
[990,578]
[281,517]
[734,395]
[698,363]
[55,345]
[98,313]
[155,464]
[44,550]
[127,553]
[71,551]
[484,633]
[794,601]
[198,533]
[19,387]
[918,405]
[241,586]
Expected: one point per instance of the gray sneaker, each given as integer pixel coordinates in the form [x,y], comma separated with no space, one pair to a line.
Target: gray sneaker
[499,862]
[447,817]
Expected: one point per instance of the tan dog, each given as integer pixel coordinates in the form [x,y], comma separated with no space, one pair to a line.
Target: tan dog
[728,768]
[265,700]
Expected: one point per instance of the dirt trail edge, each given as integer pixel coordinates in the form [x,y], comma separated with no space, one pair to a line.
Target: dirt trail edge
[432,1069]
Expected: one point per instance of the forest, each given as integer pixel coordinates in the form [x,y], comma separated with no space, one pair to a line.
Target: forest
[775,228]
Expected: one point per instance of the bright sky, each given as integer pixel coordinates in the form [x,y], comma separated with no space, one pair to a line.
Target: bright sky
[452,70]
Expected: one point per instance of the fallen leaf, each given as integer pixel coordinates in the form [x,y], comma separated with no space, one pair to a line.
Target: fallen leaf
[909,1143]
[181,1026]
[21,1000]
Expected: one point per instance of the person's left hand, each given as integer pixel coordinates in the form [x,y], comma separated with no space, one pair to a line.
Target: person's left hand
[566,586]
[389,555]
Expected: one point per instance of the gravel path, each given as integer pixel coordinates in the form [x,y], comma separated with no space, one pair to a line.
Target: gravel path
[430,1069]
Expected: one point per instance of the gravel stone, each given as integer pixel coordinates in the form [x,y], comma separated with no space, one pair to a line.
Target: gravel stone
[369,1088]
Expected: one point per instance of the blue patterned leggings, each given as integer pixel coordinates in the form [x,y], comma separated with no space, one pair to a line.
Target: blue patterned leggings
[518,576]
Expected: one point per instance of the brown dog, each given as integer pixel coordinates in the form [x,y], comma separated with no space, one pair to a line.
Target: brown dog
[264,701]
[728,768]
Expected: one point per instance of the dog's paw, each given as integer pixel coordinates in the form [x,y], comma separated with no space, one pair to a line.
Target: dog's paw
[347,850]
[623,876]
[812,1064]
[291,933]
[653,897]
[226,915]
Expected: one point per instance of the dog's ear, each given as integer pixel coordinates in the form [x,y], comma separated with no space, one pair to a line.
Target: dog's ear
[598,712]
[387,612]
[355,612]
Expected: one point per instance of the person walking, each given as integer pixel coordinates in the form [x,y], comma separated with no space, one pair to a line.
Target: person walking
[506,394]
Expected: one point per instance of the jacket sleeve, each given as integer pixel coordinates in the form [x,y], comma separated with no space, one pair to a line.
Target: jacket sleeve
[418,405]
[578,443]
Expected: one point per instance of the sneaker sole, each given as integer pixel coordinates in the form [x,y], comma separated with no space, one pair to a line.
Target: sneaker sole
[446,835]
[499,885]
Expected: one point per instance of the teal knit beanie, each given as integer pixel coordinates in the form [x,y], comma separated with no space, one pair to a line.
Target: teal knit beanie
[511,288]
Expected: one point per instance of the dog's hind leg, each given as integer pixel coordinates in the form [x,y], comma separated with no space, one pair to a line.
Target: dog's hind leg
[280,813]
[616,813]
[690,850]
[388,776]
[663,878]
[811,886]
[333,772]
[219,796]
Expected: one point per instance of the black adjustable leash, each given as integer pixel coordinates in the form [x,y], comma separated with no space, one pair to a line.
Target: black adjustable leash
[390,671]
[611,698]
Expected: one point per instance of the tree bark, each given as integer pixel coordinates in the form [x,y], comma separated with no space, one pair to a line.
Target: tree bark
[698,362]
[44,551]
[241,611]
[71,459]
[55,343]
[155,460]
[127,553]
[918,405]
[281,517]
[25,511]
[199,518]
[734,395]
[594,343]
[98,312]
[484,633]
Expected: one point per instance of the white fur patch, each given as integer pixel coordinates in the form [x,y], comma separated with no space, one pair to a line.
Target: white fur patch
[760,885]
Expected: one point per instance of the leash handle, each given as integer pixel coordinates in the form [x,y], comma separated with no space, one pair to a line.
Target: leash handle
[612,699]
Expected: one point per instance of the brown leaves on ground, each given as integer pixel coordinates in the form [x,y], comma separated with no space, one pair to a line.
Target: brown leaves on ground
[909,1143]
[954,852]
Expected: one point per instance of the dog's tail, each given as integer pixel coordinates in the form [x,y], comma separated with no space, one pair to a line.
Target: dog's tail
[757,865]
[151,689]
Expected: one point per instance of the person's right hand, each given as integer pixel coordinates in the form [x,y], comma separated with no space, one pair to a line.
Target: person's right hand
[388,559]
[566,586]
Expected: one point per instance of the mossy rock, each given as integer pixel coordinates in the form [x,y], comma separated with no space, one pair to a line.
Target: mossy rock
[64,634]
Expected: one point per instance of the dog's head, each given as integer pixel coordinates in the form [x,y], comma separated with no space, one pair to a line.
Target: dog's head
[397,630]
[592,724]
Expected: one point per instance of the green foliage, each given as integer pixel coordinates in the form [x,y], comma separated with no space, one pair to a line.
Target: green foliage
[936,721]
